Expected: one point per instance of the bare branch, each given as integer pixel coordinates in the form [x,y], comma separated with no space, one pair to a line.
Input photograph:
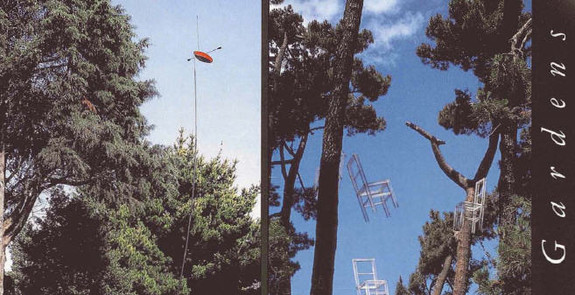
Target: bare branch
[316,128]
[453,174]
[280,55]
[273,163]
[424,133]
[300,181]
[523,34]
[289,149]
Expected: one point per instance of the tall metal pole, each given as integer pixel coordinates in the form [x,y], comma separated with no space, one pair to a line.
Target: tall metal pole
[195,156]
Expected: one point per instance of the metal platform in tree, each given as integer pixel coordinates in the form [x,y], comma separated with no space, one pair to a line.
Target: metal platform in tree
[366,281]
[472,211]
[369,194]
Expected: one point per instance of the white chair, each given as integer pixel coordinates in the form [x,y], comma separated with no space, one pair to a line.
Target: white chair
[472,211]
[366,282]
[369,194]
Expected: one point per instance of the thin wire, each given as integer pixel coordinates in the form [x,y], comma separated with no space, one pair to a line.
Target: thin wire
[195,153]
[198,31]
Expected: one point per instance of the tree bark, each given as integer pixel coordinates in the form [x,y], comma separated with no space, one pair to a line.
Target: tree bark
[2,189]
[327,219]
[463,253]
[442,277]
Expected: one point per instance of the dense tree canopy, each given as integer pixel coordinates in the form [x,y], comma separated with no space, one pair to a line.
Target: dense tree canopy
[71,130]
[69,102]
[88,246]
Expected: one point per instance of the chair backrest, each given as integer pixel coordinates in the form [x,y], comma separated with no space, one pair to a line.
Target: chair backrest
[356,173]
[480,188]
[364,270]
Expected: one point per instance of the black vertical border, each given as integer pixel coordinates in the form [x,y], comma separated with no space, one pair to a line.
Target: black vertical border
[549,229]
[265,180]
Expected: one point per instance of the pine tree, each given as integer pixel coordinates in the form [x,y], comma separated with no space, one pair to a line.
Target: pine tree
[400,288]
[301,85]
[492,39]
[137,248]
[69,102]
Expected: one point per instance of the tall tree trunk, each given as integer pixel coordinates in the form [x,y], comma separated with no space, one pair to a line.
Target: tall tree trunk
[326,226]
[442,277]
[2,189]
[463,253]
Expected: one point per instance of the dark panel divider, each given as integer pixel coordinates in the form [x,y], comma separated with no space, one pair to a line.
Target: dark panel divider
[553,135]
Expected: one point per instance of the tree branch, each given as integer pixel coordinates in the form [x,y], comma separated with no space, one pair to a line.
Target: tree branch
[14,222]
[487,160]
[425,134]
[453,174]
[283,166]
[273,163]
[525,31]
[289,149]
[316,128]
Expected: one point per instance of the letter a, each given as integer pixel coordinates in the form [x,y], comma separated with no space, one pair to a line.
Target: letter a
[556,207]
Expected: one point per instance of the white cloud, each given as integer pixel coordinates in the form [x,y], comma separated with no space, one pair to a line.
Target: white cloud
[405,27]
[320,10]
[381,6]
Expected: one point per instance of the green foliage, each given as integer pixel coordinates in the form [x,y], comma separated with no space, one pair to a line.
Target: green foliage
[68,236]
[470,36]
[68,87]
[516,271]
[139,246]
[302,90]
[476,36]
[83,246]
[437,242]
[223,235]
[136,265]
[491,38]
[400,289]
[284,245]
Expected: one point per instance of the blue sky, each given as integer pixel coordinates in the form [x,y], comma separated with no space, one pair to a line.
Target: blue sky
[228,89]
[417,94]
